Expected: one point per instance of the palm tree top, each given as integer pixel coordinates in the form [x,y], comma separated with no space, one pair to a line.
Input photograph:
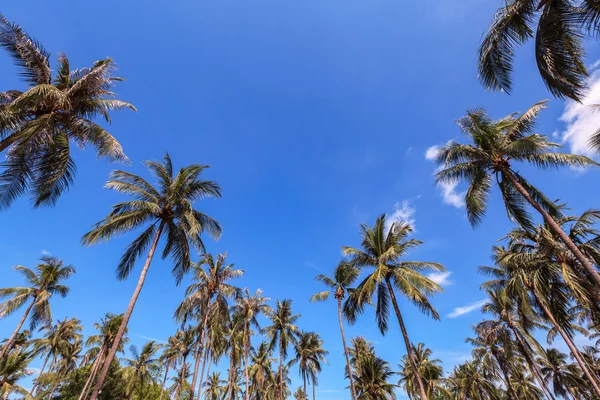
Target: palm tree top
[344,276]
[283,330]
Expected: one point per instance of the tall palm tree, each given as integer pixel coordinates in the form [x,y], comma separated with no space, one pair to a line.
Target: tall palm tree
[165,211]
[235,346]
[210,290]
[497,146]
[37,126]
[182,344]
[524,385]
[42,284]
[260,370]
[141,368]
[558,37]
[564,376]
[382,249]
[281,333]
[471,381]
[100,344]
[246,311]
[344,276]
[372,376]
[168,358]
[215,388]
[69,359]
[309,355]
[430,372]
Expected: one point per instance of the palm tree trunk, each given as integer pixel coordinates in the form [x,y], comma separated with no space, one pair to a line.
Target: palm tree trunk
[246,359]
[21,322]
[54,389]
[200,349]
[9,140]
[230,377]
[509,387]
[593,273]
[532,365]
[352,390]
[34,388]
[204,359]
[180,389]
[162,388]
[93,372]
[411,357]
[304,380]
[126,316]
[313,386]
[280,370]
[209,360]
[568,341]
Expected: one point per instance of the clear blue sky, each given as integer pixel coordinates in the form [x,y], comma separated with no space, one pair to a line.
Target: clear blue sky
[314,116]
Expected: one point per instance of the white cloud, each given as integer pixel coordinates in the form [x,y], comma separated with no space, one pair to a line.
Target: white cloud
[152,339]
[441,278]
[432,153]
[449,193]
[458,311]
[45,252]
[403,212]
[581,121]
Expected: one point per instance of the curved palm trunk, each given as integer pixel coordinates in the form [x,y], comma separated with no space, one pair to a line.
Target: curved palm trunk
[200,349]
[8,141]
[502,364]
[352,390]
[593,273]
[35,387]
[568,341]
[204,359]
[21,322]
[126,316]
[93,373]
[246,359]
[162,388]
[532,365]
[209,361]
[411,357]
[280,370]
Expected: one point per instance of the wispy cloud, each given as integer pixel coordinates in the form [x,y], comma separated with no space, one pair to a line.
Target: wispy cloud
[312,266]
[45,252]
[458,311]
[151,338]
[403,212]
[581,121]
[450,195]
[441,278]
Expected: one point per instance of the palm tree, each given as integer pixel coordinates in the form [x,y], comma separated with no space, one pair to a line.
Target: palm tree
[260,370]
[245,312]
[282,332]
[471,381]
[166,211]
[382,249]
[43,283]
[564,376]
[13,368]
[214,387]
[210,290]
[181,386]
[309,355]
[497,144]
[37,126]
[141,368]
[344,276]
[300,394]
[524,385]
[372,377]
[559,49]
[493,347]
[69,359]
[100,344]
[182,344]
[430,372]
[235,346]
[168,358]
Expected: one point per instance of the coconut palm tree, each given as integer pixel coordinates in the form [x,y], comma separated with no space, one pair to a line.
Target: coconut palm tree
[245,312]
[42,284]
[559,28]
[372,376]
[344,276]
[525,386]
[471,381]
[37,126]
[383,247]
[300,394]
[430,372]
[309,355]
[260,370]
[555,369]
[141,368]
[70,356]
[13,367]
[209,292]
[100,344]
[215,388]
[165,211]
[497,146]
[282,333]
[168,358]
[235,347]
[181,387]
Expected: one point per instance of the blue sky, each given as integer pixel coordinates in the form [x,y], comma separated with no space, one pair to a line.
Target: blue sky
[314,116]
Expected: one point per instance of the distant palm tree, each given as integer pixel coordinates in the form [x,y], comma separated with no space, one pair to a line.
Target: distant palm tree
[557,26]
[246,311]
[383,247]
[281,333]
[309,355]
[181,387]
[43,283]
[524,385]
[344,276]
[141,368]
[260,370]
[497,145]
[168,211]
[564,376]
[471,381]
[168,358]
[372,376]
[209,290]
[429,370]
[215,388]
[181,345]
[37,126]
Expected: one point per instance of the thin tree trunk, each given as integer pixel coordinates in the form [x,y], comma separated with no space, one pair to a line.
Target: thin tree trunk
[411,357]
[8,141]
[204,359]
[93,372]
[504,370]
[162,388]
[200,349]
[230,394]
[126,316]
[593,273]
[532,366]
[209,361]
[352,390]
[246,359]
[54,389]
[35,387]
[304,380]
[21,322]
[280,370]
[568,341]
[313,386]
[180,389]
